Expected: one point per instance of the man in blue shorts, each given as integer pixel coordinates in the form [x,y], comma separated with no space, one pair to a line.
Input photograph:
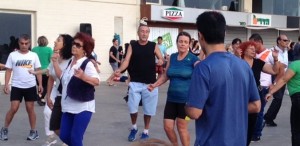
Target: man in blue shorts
[222,89]
[140,60]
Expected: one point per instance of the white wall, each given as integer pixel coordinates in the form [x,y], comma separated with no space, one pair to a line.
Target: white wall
[54,17]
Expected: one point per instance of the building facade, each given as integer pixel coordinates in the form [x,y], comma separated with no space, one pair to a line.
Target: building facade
[53,17]
[244,17]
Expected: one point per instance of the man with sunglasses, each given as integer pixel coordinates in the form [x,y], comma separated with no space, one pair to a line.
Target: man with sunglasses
[282,45]
[23,84]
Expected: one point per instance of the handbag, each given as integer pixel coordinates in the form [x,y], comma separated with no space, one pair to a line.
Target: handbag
[80,90]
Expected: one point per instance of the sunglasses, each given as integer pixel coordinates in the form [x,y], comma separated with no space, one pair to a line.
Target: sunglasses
[77,45]
[286,40]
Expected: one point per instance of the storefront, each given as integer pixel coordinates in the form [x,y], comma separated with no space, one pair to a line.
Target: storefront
[171,20]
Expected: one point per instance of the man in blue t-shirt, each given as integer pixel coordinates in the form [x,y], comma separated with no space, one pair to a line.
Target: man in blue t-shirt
[222,91]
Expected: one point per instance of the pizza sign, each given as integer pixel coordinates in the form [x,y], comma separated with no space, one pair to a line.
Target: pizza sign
[173,14]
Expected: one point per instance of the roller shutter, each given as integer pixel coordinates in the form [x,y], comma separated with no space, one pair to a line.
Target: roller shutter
[268,35]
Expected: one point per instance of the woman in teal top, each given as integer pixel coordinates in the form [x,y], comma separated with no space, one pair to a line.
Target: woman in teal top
[292,78]
[179,71]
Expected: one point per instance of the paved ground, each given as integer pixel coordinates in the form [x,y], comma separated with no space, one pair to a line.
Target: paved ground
[110,123]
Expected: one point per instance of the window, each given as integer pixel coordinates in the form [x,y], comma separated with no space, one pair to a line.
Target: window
[12,26]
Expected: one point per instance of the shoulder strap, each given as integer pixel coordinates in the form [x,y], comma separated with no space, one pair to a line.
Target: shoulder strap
[69,63]
[84,63]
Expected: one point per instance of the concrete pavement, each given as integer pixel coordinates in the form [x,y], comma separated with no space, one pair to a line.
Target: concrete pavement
[110,124]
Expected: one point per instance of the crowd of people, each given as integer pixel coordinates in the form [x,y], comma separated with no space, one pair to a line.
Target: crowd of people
[228,108]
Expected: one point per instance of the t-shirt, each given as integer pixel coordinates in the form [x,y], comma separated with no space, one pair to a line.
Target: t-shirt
[20,64]
[294,83]
[257,67]
[114,50]
[68,104]
[222,85]
[163,49]
[180,73]
[44,54]
[63,65]
[266,56]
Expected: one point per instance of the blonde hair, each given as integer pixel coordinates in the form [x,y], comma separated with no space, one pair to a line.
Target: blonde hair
[42,41]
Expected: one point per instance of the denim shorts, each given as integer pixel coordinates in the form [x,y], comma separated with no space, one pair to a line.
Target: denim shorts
[138,91]
[114,66]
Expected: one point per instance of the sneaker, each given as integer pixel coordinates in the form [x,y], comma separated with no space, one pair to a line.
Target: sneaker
[50,140]
[33,135]
[255,139]
[132,134]
[4,133]
[270,124]
[144,136]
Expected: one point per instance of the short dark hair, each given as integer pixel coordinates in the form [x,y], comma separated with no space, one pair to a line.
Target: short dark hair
[256,38]
[183,33]
[88,42]
[236,40]
[114,39]
[212,26]
[159,38]
[24,37]
[66,51]
[278,39]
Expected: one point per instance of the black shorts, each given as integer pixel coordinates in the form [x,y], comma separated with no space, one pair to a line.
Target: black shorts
[56,115]
[174,110]
[29,94]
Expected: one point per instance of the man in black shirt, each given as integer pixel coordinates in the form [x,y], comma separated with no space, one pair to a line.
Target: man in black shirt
[113,60]
[140,60]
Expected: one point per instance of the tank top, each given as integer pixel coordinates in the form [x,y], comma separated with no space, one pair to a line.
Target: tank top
[142,63]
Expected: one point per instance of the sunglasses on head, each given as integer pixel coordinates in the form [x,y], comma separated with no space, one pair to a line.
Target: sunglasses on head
[77,45]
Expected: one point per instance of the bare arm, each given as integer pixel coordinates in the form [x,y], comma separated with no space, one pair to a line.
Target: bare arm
[7,78]
[39,79]
[280,72]
[158,55]
[50,84]
[254,107]
[37,72]
[163,78]
[269,69]
[125,63]
[113,57]
[193,113]
[281,82]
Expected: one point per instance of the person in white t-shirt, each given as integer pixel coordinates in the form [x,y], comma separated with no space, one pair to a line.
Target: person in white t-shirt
[265,55]
[23,84]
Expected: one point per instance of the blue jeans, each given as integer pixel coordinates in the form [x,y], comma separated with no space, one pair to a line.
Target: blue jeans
[73,127]
[259,123]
